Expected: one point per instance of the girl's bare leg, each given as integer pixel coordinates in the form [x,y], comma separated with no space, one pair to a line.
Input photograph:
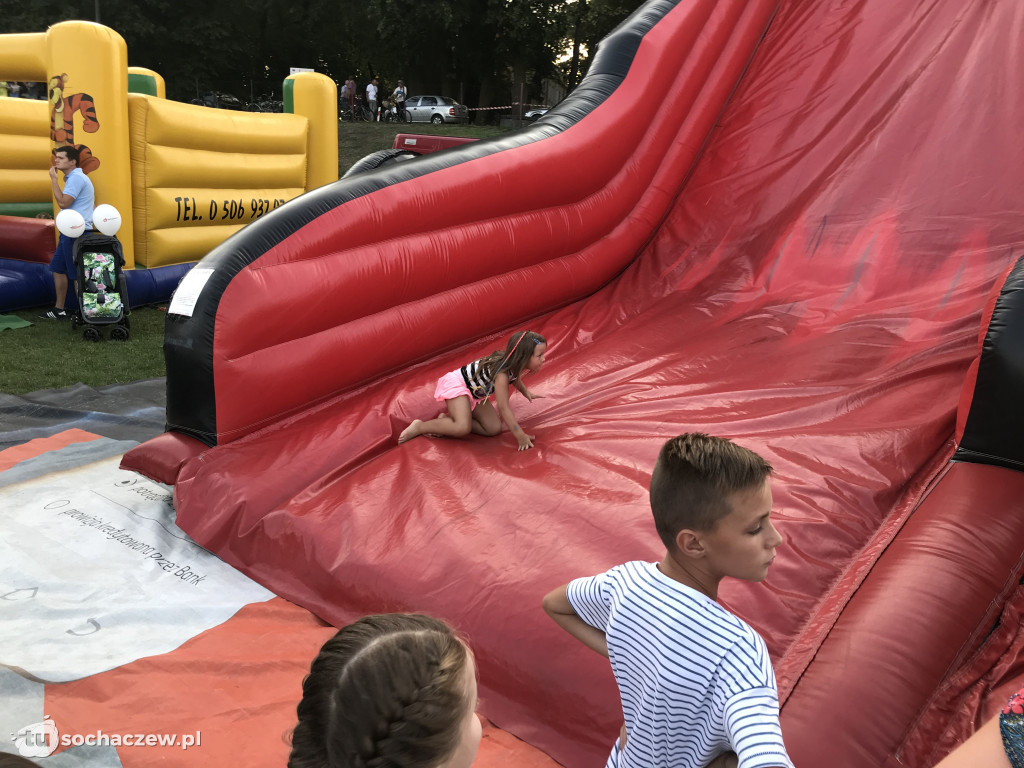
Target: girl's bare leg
[985,748]
[486,420]
[458,423]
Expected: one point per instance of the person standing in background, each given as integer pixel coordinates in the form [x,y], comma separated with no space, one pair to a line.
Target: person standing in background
[79,196]
[349,92]
[371,98]
[399,98]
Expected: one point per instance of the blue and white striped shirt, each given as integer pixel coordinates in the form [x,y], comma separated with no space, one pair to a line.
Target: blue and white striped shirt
[694,679]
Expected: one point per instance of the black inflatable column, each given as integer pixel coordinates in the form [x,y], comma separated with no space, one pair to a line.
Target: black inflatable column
[994,430]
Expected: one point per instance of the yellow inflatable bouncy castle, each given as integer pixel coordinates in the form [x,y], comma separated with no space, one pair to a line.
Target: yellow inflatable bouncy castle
[184,177]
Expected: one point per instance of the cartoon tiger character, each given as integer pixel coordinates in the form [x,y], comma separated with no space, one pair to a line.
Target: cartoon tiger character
[62,120]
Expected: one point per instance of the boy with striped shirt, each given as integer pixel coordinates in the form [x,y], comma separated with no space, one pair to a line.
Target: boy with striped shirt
[696,683]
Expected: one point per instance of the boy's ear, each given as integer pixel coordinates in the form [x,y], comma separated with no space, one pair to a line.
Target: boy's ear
[690,543]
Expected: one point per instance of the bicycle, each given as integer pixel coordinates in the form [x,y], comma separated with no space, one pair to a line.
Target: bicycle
[390,114]
[359,113]
[266,104]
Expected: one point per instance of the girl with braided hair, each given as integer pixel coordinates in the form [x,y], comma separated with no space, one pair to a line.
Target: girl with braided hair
[389,691]
[466,392]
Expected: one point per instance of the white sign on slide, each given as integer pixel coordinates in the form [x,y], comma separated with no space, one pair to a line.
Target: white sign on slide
[185,296]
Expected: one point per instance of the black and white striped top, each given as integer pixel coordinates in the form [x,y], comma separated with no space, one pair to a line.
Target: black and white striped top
[694,679]
[477,381]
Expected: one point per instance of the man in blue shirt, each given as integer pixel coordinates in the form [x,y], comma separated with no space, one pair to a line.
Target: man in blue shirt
[79,196]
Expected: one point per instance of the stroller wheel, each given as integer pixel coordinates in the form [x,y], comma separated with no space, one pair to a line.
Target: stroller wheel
[91,334]
[119,334]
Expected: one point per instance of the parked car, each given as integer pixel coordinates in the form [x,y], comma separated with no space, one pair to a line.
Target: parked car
[435,109]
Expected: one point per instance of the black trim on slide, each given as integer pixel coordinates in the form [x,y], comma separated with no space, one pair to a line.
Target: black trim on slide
[994,432]
[188,341]
[379,159]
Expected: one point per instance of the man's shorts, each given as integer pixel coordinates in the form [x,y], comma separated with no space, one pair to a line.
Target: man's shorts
[63,261]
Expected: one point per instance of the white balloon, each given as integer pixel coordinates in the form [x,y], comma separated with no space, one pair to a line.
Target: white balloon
[70,223]
[106,219]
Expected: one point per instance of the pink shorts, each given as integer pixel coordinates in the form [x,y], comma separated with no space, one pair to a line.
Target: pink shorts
[452,385]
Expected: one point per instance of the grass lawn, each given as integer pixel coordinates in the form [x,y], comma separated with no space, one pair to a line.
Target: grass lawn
[357,140]
[50,356]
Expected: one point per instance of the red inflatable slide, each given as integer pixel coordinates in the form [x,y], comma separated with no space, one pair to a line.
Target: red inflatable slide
[795,224]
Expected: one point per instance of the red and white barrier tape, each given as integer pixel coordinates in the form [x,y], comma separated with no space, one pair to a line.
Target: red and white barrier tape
[510,106]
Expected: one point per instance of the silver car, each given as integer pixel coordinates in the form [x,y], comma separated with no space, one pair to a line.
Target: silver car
[435,109]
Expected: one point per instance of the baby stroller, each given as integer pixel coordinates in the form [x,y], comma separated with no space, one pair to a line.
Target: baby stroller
[100,287]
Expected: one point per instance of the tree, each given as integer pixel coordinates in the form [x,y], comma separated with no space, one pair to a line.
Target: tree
[528,39]
[486,51]
[587,22]
[483,52]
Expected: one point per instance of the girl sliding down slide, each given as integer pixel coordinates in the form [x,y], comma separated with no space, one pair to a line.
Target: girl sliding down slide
[466,392]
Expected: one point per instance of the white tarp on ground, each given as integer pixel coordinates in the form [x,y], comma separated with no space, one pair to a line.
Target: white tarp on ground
[133,411]
[95,574]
